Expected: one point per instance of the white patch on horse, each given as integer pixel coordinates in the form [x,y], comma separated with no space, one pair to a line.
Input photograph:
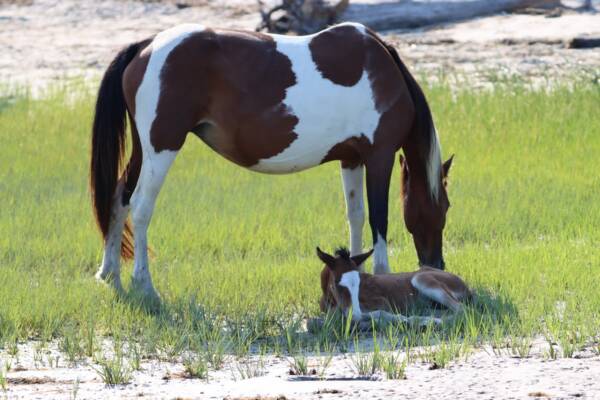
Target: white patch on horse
[155,165]
[351,281]
[146,99]
[327,113]
[358,26]
[434,165]
[381,264]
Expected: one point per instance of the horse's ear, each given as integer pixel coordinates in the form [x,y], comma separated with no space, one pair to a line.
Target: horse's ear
[326,258]
[446,166]
[359,259]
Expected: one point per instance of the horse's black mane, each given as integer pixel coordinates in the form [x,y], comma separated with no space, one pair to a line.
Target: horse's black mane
[343,253]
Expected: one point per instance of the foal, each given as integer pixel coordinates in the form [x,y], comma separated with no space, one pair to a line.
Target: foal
[381,296]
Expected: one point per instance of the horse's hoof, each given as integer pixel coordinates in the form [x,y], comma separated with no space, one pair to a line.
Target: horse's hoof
[146,294]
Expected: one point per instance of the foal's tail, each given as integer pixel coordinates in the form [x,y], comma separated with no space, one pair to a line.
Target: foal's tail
[108,144]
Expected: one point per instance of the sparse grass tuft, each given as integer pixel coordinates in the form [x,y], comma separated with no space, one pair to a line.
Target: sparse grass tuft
[196,366]
[114,371]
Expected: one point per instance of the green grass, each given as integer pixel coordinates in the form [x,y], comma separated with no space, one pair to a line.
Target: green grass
[234,250]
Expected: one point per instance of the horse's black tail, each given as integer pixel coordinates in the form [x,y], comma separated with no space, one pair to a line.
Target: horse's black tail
[425,135]
[108,143]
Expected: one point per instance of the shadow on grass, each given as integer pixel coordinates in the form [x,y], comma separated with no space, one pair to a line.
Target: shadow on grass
[186,323]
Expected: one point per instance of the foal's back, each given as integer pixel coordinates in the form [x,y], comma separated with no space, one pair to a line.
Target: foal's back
[399,291]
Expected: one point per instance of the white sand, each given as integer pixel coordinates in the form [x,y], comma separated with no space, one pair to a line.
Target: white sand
[483,375]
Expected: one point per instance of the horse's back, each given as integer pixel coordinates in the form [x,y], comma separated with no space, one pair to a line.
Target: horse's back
[272,103]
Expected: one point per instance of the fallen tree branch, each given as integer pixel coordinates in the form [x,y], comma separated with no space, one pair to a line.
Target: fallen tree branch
[308,16]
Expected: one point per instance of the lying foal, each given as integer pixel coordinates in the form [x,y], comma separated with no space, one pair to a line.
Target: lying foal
[381,296]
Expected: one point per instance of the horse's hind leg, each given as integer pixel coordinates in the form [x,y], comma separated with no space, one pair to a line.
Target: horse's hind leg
[435,290]
[111,260]
[154,169]
[353,193]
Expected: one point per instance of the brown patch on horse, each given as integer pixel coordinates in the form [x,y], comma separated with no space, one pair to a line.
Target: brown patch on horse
[134,73]
[339,54]
[236,82]
[351,151]
[132,79]
[391,95]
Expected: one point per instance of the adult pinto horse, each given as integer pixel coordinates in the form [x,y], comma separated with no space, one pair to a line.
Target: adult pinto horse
[270,103]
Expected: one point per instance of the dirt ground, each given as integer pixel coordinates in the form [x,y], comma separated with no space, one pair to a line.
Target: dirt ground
[483,375]
[53,39]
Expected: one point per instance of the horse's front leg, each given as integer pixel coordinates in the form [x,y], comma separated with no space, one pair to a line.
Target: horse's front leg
[379,171]
[352,179]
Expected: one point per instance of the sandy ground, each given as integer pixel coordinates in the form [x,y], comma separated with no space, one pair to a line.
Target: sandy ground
[483,375]
[53,39]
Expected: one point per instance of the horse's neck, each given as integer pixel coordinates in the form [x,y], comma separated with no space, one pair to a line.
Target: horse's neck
[417,163]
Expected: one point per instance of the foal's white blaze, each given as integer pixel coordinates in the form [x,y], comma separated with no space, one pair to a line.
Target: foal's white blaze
[327,113]
[351,281]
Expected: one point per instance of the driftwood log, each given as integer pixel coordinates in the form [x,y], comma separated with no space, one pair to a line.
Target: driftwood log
[308,16]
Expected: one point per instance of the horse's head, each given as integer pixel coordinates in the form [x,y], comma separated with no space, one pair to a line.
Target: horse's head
[340,279]
[425,214]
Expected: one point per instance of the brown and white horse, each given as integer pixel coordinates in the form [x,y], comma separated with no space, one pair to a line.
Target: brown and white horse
[383,296]
[270,103]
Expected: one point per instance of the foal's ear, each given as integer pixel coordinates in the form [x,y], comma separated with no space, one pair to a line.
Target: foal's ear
[446,166]
[326,258]
[359,259]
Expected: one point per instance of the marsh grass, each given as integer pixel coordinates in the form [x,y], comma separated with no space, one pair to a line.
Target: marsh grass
[234,250]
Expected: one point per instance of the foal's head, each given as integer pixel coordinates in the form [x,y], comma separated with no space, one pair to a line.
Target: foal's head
[424,214]
[340,278]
